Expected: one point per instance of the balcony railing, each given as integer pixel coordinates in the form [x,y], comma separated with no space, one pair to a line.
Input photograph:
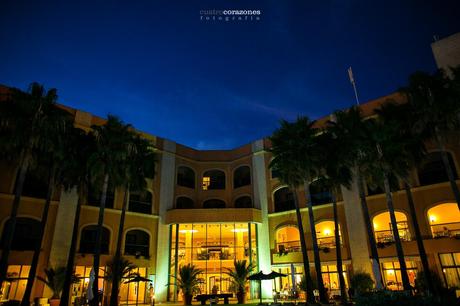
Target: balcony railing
[446,230]
[387,236]
[326,242]
[140,207]
[288,246]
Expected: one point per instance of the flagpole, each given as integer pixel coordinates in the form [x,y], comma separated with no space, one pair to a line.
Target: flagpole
[353,83]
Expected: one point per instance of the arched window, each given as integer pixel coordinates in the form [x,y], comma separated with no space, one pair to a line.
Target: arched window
[137,243]
[432,170]
[325,233]
[383,230]
[284,200]
[287,239]
[140,202]
[26,234]
[213,179]
[35,184]
[94,195]
[445,220]
[88,240]
[184,203]
[319,194]
[214,203]
[185,177]
[274,173]
[243,202]
[242,177]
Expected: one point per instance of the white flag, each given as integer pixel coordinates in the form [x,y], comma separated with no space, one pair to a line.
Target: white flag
[350,75]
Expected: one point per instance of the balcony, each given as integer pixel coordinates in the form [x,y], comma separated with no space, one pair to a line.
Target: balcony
[442,230]
[288,247]
[208,215]
[387,236]
[140,207]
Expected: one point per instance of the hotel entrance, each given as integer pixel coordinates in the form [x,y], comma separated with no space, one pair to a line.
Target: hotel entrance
[211,248]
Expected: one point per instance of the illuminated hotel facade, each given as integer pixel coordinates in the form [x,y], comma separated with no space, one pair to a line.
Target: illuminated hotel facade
[212,207]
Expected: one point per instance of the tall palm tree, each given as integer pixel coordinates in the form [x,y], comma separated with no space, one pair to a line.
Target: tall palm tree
[294,151]
[349,126]
[113,141]
[334,173]
[436,103]
[52,155]
[401,115]
[24,120]
[388,151]
[76,173]
[139,165]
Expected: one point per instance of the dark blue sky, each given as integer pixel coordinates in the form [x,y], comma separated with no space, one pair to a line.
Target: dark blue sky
[217,85]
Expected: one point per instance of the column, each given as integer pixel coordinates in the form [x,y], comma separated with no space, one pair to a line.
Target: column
[62,235]
[356,228]
[261,202]
[166,202]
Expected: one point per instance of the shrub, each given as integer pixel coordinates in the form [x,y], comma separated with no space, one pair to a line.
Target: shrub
[422,286]
[398,298]
[361,282]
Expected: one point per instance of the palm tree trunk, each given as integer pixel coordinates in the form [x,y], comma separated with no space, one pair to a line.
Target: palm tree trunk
[338,250]
[73,248]
[22,172]
[450,173]
[419,239]
[303,247]
[394,226]
[370,234]
[97,252]
[319,277]
[36,256]
[116,273]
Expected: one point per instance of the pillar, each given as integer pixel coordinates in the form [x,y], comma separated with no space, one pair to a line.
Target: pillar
[166,202]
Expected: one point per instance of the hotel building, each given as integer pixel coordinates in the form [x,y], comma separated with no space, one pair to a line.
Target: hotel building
[211,207]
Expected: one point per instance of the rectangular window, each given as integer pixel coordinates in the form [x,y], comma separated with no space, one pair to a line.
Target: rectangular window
[331,278]
[392,274]
[80,289]
[14,287]
[450,264]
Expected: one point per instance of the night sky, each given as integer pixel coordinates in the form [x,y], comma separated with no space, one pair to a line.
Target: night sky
[217,84]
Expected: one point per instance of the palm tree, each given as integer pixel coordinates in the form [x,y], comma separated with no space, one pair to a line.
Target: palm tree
[349,127]
[52,155]
[293,150]
[435,100]
[24,122]
[76,173]
[188,281]
[117,270]
[113,141]
[239,277]
[389,149]
[414,150]
[335,172]
[139,165]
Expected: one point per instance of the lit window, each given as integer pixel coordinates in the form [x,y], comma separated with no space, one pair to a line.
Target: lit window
[206,182]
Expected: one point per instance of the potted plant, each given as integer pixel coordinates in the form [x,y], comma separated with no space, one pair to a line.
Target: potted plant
[188,282]
[239,277]
[124,269]
[55,281]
